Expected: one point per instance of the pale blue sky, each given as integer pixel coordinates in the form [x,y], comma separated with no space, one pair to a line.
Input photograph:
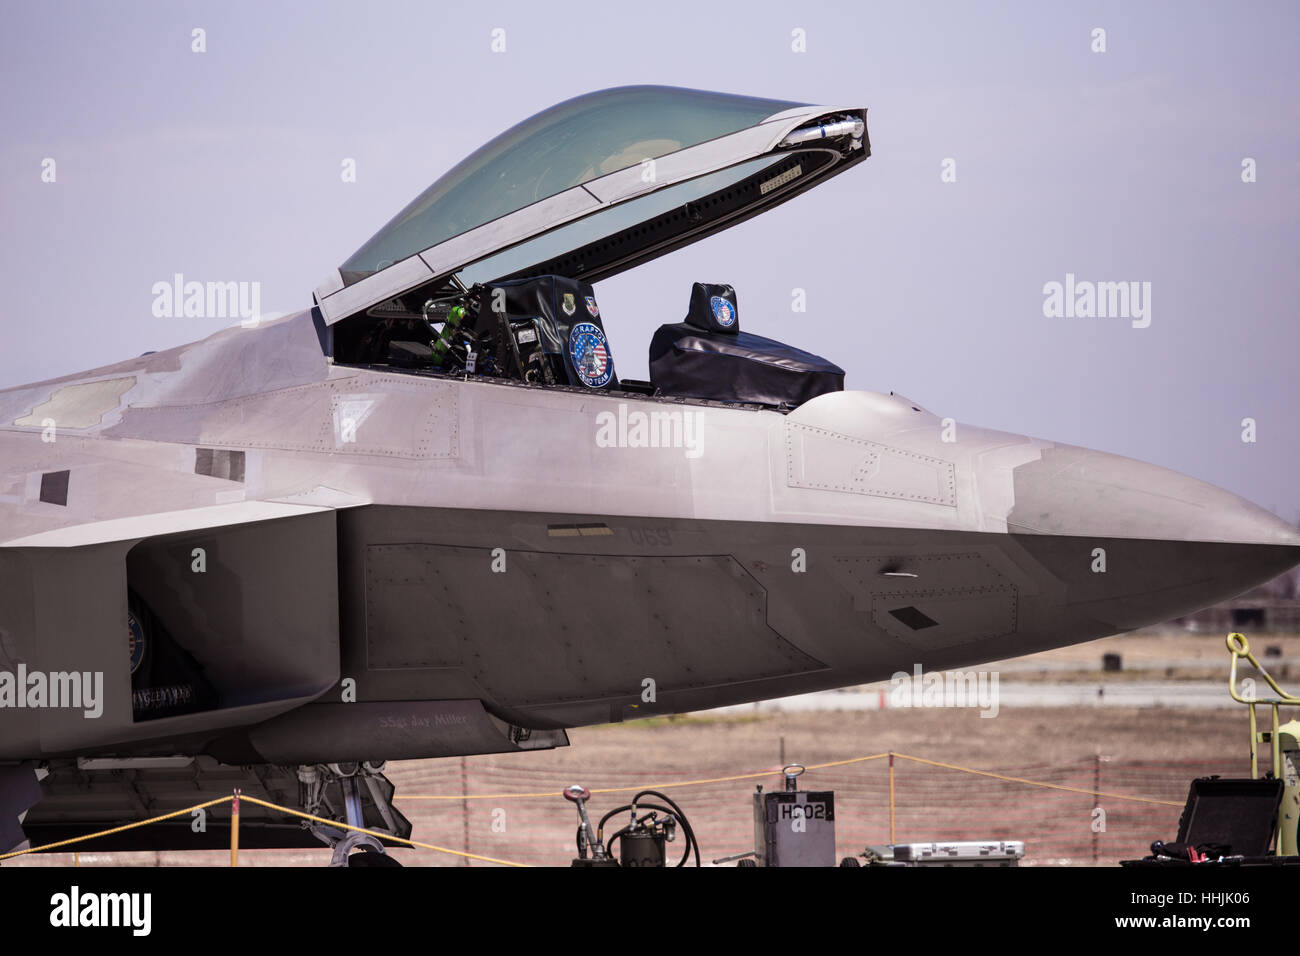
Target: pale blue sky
[1124,165]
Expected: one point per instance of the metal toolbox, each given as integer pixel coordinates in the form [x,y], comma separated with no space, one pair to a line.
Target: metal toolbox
[960,853]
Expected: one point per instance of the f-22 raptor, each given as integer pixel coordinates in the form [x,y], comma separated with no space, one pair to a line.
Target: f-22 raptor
[425,516]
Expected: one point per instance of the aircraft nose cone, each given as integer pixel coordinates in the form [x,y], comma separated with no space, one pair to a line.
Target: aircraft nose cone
[1135,544]
[1077,491]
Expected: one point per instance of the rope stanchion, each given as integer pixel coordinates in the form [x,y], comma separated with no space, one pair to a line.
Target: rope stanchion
[891,796]
[234,829]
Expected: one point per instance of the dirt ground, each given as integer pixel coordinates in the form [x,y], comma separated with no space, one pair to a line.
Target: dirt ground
[1167,654]
[1036,768]
[1145,646]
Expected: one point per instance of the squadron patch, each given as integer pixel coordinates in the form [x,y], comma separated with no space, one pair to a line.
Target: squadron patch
[592,308]
[135,640]
[723,312]
[589,354]
[569,305]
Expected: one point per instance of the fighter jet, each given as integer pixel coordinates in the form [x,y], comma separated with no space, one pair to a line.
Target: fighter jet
[425,517]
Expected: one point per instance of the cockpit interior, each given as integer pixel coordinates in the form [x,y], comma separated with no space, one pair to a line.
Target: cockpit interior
[547,331]
[489,273]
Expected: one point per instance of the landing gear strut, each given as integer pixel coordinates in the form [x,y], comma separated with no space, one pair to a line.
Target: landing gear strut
[364,800]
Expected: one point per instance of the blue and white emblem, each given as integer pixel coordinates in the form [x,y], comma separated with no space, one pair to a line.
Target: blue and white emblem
[589,354]
[592,307]
[135,640]
[723,312]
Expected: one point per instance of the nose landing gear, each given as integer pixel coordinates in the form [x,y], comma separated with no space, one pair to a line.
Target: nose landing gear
[364,799]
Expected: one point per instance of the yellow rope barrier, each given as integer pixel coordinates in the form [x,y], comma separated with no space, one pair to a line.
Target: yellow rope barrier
[103,833]
[272,806]
[551,793]
[1038,783]
[776,772]
[378,834]
[647,786]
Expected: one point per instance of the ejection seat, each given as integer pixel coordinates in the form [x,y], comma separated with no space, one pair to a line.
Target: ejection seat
[707,356]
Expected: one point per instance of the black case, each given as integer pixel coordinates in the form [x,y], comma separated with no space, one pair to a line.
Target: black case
[1240,813]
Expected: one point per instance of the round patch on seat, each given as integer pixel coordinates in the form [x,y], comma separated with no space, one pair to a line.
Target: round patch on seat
[724,313]
[589,353]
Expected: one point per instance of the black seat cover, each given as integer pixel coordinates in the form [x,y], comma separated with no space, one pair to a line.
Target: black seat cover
[569,323]
[707,356]
[714,309]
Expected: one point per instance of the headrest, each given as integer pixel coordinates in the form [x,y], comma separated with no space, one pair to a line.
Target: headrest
[714,308]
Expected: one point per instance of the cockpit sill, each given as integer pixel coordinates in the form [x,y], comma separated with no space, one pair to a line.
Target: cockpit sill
[636,394]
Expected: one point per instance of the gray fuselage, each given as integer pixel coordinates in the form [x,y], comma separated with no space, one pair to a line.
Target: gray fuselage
[381,550]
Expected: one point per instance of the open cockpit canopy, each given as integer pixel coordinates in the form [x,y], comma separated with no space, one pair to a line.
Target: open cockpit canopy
[593,186]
